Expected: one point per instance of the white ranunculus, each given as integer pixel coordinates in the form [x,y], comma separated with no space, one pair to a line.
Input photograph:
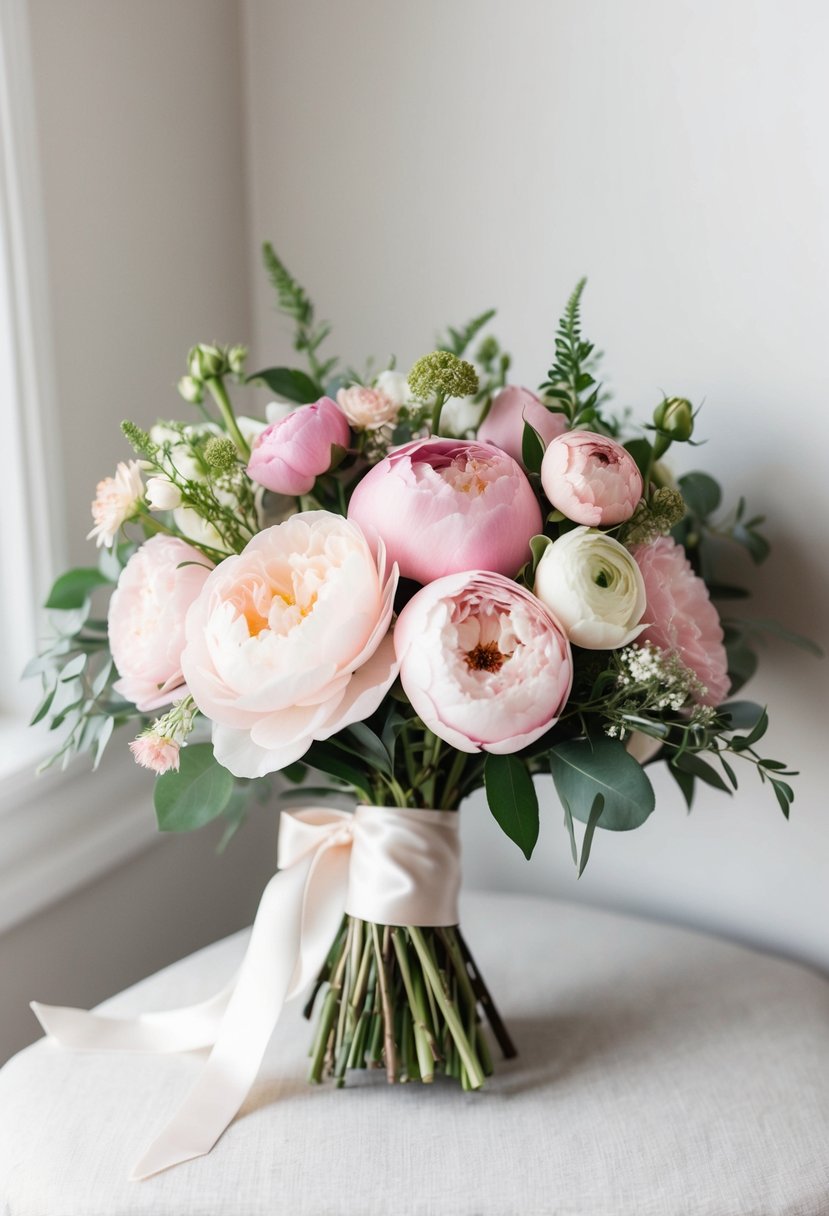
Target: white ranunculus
[289,641]
[594,587]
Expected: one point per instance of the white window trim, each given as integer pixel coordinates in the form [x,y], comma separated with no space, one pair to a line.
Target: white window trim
[61,830]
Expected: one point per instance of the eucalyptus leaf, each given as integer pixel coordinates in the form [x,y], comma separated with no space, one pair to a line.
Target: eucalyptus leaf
[512,799]
[702,493]
[690,762]
[198,792]
[73,588]
[289,383]
[584,768]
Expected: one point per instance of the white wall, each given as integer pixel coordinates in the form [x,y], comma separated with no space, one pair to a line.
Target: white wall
[417,163]
[141,134]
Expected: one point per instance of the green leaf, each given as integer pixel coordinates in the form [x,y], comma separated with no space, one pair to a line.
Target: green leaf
[690,762]
[640,450]
[74,588]
[741,742]
[584,768]
[757,624]
[512,799]
[742,715]
[289,383]
[587,842]
[369,746]
[686,783]
[532,449]
[458,340]
[701,493]
[44,707]
[331,760]
[198,792]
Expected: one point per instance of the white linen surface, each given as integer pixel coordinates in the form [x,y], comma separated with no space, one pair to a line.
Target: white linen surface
[662,1073]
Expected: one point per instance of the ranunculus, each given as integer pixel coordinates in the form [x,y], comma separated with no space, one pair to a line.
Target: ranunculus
[146,619]
[116,501]
[443,505]
[288,641]
[591,479]
[504,424]
[593,586]
[367,409]
[681,617]
[483,662]
[291,453]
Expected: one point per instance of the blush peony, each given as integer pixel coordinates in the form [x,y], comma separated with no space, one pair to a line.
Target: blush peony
[444,505]
[510,409]
[146,619]
[483,663]
[682,618]
[288,641]
[290,454]
[591,479]
[593,586]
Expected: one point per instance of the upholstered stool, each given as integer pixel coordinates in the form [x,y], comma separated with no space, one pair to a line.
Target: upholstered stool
[662,1073]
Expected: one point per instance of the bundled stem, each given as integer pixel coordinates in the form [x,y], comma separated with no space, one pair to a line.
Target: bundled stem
[407,1000]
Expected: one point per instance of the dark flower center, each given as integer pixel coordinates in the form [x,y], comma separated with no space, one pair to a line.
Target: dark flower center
[485,657]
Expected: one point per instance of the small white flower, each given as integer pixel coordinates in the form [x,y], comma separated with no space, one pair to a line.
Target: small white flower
[116,501]
[395,386]
[162,495]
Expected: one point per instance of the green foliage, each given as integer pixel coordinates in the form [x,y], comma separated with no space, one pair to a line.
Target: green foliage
[512,799]
[582,769]
[532,449]
[294,302]
[198,793]
[73,589]
[289,384]
[458,340]
[570,384]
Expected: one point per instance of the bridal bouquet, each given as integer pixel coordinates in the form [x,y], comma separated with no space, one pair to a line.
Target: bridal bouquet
[401,587]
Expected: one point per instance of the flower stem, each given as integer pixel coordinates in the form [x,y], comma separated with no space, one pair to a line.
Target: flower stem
[447,1007]
[219,394]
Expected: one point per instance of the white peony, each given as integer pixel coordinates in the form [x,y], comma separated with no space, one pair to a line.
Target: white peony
[594,587]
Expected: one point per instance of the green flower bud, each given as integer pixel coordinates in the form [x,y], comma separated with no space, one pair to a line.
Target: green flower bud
[236,356]
[674,417]
[207,362]
[140,441]
[442,374]
[191,389]
[220,453]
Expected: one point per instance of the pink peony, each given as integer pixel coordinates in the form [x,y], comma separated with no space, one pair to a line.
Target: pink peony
[591,479]
[146,619]
[291,453]
[289,641]
[156,753]
[504,424]
[483,662]
[443,505]
[367,409]
[684,621]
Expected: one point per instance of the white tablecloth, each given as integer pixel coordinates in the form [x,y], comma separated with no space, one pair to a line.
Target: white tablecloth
[662,1073]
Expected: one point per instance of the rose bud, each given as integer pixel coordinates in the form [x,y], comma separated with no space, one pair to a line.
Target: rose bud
[591,479]
[674,417]
[443,505]
[292,452]
[484,664]
[510,409]
[593,586]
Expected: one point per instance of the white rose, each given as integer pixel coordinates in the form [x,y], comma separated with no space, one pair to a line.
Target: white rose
[595,588]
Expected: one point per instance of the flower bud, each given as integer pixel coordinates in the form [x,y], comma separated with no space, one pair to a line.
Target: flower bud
[674,417]
[191,389]
[207,362]
[162,495]
[220,453]
[236,356]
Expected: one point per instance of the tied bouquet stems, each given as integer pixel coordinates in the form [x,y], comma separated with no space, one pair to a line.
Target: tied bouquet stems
[398,588]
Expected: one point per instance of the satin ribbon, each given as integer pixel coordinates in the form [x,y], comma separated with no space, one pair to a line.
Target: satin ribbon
[389,865]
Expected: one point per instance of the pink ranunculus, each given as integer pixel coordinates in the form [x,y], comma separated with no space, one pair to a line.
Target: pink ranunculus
[504,424]
[289,641]
[146,619]
[292,452]
[591,479]
[483,662]
[684,621]
[443,505]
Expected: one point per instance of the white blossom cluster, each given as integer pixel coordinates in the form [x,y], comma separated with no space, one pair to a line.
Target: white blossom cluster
[659,675]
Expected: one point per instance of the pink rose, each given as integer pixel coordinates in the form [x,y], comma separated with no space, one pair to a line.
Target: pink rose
[483,662]
[289,641]
[291,453]
[443,505]
[367,409]
[591,479]
[146,619]
[685,622]
[504,424]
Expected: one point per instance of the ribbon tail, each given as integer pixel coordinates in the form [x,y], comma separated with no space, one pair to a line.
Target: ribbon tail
[173,1030]
[280,954]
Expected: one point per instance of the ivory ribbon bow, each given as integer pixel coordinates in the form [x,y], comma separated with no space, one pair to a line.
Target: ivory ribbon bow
[389,865]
